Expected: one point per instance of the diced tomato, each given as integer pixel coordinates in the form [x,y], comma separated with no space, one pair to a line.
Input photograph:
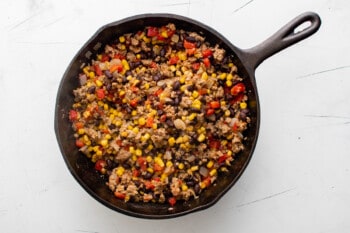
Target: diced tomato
[100,94]
[98,70]
[79,125]
[133,103]
[237,98]
[237,89]
[101,163]
[207,53]
[235,127]
[202,91]
[149,185]
[149,122]
[191,51]
[119,56]
[152,31]
[158,92]
[142,163]
[73,115]
[172,201]
[116,67]
[196,66]
[210,111]
[135,173]
[207,181]
[214,104]
[79,143]
[222,158]
[119,195]
[173,60]
[104,57]
[157,167]
[206,62]
[153,65]
[162,118]
[214,144]
[119,142]
[134,89]
[189,45]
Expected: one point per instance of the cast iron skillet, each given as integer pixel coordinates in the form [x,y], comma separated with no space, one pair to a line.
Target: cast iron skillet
[246,60]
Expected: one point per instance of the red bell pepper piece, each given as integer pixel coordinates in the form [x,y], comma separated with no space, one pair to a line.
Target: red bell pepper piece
[73,115]
[100,94]
[237,89]
[152,31]
[207,53]
[189,45]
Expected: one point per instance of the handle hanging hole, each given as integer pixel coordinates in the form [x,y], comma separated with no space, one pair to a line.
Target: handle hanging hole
[302,27]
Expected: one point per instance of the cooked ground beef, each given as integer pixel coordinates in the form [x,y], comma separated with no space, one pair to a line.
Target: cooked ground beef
[162,113]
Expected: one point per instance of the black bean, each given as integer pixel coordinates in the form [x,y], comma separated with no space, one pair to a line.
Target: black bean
[162,52]
[191,39]
[190,88]
[179,45]
[177,101]
[92,89]
[170,102]
[157,77]
[160,112]
[108,74]
[124,80]
[197,189]
[190,183]
[176,85]
[147,176]
[232,111]
[112,126]
[169,122]
[108,86]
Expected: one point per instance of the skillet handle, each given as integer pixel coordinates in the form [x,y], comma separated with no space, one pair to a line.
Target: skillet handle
[283,38]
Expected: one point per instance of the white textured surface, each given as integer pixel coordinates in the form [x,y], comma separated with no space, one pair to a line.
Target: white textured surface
[298,179]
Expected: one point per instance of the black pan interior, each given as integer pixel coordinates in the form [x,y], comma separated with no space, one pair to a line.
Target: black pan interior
[82,169]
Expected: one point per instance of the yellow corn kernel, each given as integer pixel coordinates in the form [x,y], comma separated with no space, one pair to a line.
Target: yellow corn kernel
[227,113]
[171,141]
[150,170]
[125,64]
[178,73]
[132,150]
[201,138]
[86,70]
[196,104]
[182,56]
[134,158]
[152,113]
[138,56]
[172,68]
[124,101]
[192,116]
[185,138]
[150,147]
[183,118]
[181,166]
[86,114]
[136,121]
[147,136]
[122,47]
[118,123]
[99,83]
[120,171]
[154,126]
[122,39]
[124,134]
[229,77]
[138,152]
[146,39]
[189,128]
[194,168]
[230,64]
[92,74]
[86,138]
[243,105]
[229,83]
[159,161]
[163,177]
[99,153]
[169,163]
[135,130]
[210,164]
[224,142]
[224,169]
[213,172]
[146,86]
[222,76]
[149,159]
[164,34]
[142,121]
[182,79]
[202,185]
[184,187]
[104,142]
[213,75]
[81,131]
[195,94]
[133,113]
[204,76]
[130,127]
[229,153]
